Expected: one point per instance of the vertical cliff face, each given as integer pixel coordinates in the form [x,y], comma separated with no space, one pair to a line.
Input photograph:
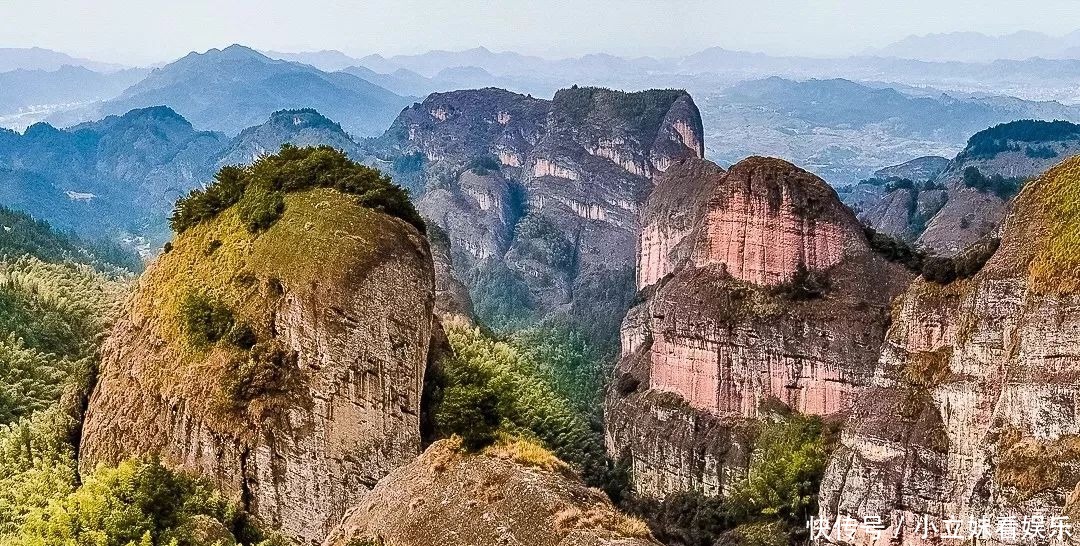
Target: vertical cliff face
[285,366]
[550,190]
[972,412]
[727,325]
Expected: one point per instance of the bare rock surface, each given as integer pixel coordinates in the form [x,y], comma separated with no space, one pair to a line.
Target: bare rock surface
[540,198]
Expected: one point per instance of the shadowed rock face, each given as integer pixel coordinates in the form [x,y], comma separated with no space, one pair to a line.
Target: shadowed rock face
[718,333]
[326,401]
[449,498]
[545,224]
[973,409]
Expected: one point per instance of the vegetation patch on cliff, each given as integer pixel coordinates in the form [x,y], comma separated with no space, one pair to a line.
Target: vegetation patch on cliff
[1006,136]
[1055,198]
[1004,188]
[214,294]
[642,110]
[770,506]
[1029,465]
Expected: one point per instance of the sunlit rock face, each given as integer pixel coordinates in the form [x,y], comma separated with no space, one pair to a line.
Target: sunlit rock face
[720,330]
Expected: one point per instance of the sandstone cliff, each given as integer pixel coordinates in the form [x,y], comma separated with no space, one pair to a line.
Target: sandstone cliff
[757,286]
[449,498]
[972,409]
[540,198]
[286,366]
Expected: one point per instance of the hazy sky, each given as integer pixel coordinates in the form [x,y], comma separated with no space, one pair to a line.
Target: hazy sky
[150,31]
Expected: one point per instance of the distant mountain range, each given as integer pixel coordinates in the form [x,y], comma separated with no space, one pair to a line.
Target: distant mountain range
[843,130]
[702,71]
[237,87]
[977,47]
[36,58]
[119,177]
[28,96]
[882,112]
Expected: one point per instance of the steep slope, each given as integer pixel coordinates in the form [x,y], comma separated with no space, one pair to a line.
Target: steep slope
[1013,152]
[285,364]
[447,497]
[967,201]
[758,288]
[117,176]
[539,197]
[237,87]
[972,409]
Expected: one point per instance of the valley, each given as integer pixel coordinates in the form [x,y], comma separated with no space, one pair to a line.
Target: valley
[261,297]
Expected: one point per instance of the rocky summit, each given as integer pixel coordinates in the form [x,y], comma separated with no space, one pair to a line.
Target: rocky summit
[285,365]
[757,289]
[510,494]
[539,198]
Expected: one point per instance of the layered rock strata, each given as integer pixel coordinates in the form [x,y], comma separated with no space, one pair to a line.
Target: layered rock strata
[726,324]
[540,198]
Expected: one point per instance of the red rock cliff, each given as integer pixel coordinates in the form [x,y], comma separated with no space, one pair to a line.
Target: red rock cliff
[720,327]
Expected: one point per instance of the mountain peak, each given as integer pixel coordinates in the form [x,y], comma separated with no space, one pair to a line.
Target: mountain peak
[237,51]
[40,129]
[303,117]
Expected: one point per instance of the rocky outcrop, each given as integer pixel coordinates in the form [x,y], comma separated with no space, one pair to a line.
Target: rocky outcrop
[727,326]
[919,169]
[540,198]
[313,392]
[970,214]
[452,301]
[972,410]
[450,498]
